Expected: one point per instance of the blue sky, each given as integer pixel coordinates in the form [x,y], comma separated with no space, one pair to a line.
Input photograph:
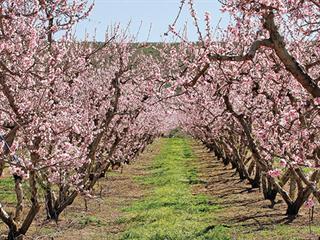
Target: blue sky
[159,13]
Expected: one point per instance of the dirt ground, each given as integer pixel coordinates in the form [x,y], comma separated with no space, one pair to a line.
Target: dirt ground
[244,209]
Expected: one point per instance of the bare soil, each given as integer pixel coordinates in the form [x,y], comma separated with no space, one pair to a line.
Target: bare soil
[245,211]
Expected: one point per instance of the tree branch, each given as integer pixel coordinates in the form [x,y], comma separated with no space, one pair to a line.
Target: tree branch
[288,60]
[239,58]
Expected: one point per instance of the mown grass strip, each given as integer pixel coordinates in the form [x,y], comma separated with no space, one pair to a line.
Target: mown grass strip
[7,194]
[171,211]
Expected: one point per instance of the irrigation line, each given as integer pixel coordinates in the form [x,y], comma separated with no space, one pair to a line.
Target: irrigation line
[6,147]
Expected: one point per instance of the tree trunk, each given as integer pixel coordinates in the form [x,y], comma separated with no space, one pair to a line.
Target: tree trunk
[256,181]
[2,164]
[14,235]
[50,206]
[293,209]
[268,189]
[226,162]
[19,195]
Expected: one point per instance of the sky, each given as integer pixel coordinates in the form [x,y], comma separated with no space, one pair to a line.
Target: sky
[159,13]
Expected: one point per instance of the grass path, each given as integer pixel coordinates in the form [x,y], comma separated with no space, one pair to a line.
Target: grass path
[171,210]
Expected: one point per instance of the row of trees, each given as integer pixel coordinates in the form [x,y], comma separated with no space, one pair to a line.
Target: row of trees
[250,93]
[69,111]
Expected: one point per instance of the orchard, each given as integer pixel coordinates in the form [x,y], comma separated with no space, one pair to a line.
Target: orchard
[72,112]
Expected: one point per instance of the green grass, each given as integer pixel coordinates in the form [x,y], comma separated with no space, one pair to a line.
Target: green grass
[7,190]
[7,194]
[91,220]
[171,211]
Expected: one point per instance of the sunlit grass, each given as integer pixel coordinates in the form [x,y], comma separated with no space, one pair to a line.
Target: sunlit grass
[171,211]
[7,194]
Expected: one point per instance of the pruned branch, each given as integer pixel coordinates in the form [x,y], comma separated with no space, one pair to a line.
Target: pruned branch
[239,58]
[290,63]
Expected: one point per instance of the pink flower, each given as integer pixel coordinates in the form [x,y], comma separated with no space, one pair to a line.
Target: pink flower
[283,163]
[207,16]
[274,173]
[317,101]
[310,203]
[54,29]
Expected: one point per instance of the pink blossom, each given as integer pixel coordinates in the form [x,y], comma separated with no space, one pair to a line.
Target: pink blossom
[54,28]
[207,16]
[283,163]
[274,173]
[310,203]
[316,101]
